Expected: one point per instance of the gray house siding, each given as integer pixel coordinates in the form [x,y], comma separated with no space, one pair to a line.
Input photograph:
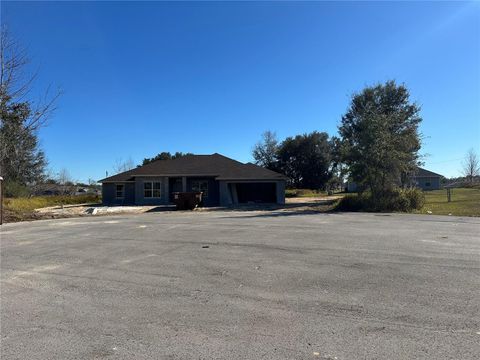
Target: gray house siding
[134,192]
[140,199]
[281,192]
[427,183]
[109,194]
[223,193]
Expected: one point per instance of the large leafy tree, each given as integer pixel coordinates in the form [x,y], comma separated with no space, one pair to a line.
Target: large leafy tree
[380,140]
[22,161]
[265,152]
[306,159]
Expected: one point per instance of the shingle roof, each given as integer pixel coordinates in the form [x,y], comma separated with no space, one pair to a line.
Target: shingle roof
[426,173]
[216,165]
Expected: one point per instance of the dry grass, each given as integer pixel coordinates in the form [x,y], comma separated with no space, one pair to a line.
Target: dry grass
[303,193]
[21,209]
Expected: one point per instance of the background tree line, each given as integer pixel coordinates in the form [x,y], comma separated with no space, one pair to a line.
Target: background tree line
[306,159]
[125,165]
[377,145]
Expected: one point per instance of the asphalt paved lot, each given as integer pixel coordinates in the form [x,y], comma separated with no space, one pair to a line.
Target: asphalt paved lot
[241,285]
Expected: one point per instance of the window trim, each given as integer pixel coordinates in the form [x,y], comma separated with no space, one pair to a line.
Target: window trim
[152,189]
[122,191]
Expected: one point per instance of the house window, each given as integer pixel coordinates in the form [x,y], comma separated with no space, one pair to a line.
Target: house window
[119,191]
[152,189]
[427,184]
[201,185]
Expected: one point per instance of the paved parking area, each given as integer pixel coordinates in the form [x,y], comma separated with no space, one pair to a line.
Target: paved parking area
[241,285]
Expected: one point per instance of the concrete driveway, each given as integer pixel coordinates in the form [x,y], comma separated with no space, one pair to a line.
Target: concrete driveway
[241,285]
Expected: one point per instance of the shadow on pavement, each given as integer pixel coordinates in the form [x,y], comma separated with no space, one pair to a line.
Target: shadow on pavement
[162,208]
[293,209]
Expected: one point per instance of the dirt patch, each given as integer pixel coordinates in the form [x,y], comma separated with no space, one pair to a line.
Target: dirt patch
[88,209]
[10,216]
[312,200]
[297,205]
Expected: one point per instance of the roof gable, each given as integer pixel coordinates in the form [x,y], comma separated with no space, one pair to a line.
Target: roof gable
[426,173]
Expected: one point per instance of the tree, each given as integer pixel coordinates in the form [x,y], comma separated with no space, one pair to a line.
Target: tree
[65,180]
[338,168]
[306,159]
[165,156]
[265,152]
[379,137]
[122,166]
[21,159]
[471,165]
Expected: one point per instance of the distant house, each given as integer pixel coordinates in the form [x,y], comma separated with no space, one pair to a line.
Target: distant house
[423,179]
[426,180]
[222,180]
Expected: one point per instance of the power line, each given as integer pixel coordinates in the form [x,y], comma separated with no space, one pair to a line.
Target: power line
[445,161]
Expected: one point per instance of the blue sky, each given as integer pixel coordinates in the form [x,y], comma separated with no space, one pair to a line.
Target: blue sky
[141,78]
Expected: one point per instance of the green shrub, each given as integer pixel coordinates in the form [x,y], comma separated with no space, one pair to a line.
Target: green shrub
[14,189]
[353,202]
[416,198]
[404,200]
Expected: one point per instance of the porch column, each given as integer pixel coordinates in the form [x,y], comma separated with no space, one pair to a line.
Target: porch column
[233,188]
[184,183]
[280,190]
[167,190]
[224,193]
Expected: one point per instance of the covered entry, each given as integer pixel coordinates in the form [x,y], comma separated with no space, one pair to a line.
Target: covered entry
[262,192]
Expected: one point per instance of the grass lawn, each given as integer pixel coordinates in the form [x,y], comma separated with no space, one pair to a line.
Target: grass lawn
[21,209]
[289,193]
[465,202]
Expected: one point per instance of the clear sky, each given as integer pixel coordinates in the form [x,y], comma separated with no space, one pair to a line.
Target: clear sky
[141,78]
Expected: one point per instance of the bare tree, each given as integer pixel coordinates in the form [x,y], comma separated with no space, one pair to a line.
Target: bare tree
[471,165]
[16,83]
[265,152]
[20,116]
[122,166]
[65,180]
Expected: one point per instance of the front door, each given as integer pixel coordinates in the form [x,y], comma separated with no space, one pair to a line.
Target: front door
[175,185]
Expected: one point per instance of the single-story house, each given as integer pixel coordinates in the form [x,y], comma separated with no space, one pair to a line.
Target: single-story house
[222,180]
[423,179]
[426,179]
